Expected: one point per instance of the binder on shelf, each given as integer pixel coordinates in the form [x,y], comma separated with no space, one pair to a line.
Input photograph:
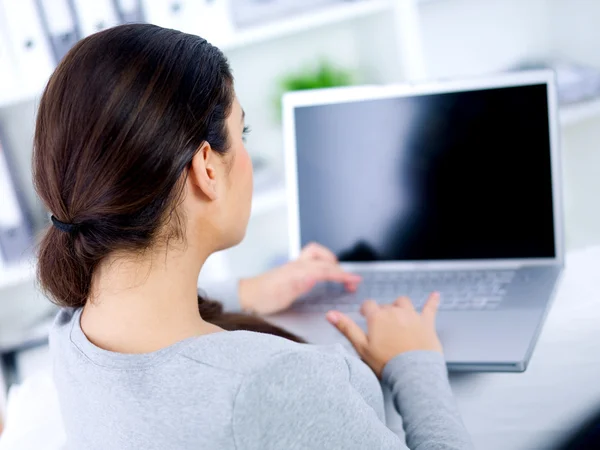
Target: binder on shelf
[130,11]
[8,78]
[248,13]
[16,237]
[94,16]
[28,43]
[167,13]
[3,396]
[60,25]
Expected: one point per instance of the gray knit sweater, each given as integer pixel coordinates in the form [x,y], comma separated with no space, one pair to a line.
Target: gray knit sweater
[242,390]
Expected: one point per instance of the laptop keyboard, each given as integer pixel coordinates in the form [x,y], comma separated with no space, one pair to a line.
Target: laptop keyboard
[460,290]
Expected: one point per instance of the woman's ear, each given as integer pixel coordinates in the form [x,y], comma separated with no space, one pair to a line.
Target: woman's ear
[203,173]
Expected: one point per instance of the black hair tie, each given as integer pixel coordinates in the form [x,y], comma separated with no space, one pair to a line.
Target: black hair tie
[62,226]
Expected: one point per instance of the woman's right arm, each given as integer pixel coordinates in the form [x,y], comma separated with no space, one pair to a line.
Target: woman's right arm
[305,400]
[314,400]
[422,396]
[402,348]
[311,400]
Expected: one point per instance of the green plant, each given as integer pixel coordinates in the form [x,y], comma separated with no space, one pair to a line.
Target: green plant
[323,75]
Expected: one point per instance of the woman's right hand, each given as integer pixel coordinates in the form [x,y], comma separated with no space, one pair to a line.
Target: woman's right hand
[392,330]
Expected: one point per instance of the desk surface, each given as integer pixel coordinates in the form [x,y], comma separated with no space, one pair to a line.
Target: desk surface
[530,410]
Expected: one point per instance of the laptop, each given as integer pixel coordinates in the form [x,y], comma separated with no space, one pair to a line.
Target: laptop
[450,186]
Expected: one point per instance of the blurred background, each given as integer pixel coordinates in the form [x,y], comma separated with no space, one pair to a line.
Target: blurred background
[276,46]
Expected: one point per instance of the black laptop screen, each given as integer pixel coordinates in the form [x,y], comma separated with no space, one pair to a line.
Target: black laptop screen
[463,175]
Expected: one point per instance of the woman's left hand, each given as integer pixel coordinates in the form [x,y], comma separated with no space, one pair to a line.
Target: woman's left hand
[277,289]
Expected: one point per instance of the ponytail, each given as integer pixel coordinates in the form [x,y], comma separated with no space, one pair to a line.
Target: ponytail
[212,312]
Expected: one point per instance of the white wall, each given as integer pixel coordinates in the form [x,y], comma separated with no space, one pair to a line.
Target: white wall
[575,29]
[467,37]
[581,166]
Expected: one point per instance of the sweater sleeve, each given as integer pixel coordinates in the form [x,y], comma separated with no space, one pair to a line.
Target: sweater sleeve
[422,395]
[305,400]
[225,292]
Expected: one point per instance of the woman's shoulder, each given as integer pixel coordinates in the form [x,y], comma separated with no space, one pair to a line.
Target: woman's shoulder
[302,388]
[246,352]
[63,323]
[266,360]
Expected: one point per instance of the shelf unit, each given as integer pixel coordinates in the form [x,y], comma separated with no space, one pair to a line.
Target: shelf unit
[579,112]
[306,22]
[239,39]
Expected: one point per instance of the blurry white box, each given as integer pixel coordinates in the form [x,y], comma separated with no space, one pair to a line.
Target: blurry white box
[130,11]
[208,19]
[95,16]
[254,12]
[166,13]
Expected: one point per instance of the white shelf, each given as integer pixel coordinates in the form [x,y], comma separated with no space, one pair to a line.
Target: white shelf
[579,112]
[13,275]
[305,22]
[253,35]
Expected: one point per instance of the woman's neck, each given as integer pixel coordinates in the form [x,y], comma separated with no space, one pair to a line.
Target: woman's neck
[144,303]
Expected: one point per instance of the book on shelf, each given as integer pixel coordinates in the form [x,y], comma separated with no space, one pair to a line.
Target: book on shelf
[8,74]
[60,25]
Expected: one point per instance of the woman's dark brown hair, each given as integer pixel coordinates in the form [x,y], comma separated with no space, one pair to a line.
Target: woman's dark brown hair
[212,312]
[118,124]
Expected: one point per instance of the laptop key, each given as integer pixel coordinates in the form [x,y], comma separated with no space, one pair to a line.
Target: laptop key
[460,290]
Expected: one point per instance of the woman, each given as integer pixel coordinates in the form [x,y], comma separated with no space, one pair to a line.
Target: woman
[139,156]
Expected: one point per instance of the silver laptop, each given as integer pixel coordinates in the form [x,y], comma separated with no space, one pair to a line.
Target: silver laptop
[451,187]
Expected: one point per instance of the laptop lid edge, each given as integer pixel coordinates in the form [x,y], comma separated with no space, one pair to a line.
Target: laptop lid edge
[293,100]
